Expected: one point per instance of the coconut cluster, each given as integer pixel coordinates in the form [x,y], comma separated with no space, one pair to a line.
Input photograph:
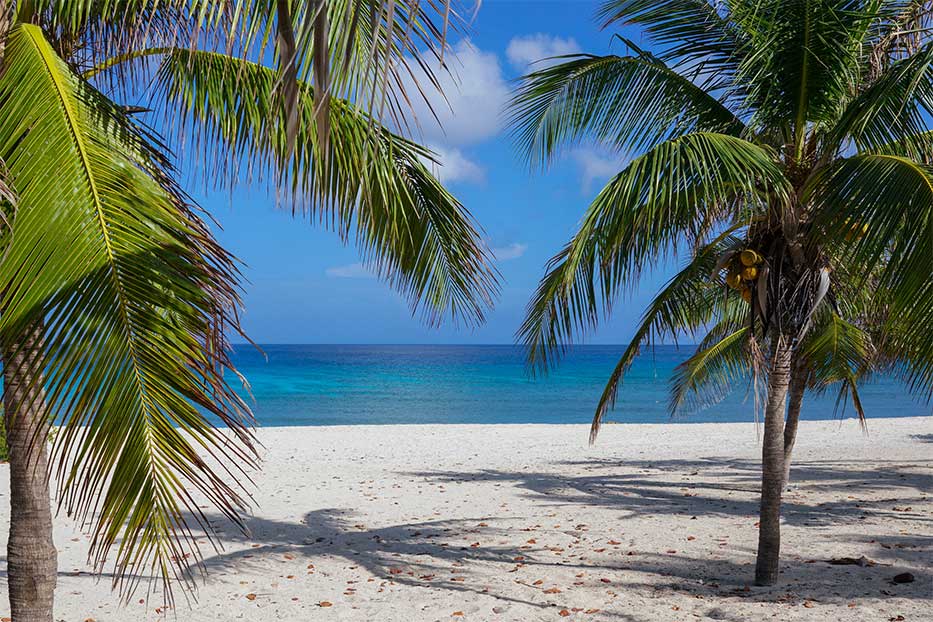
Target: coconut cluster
[743,271]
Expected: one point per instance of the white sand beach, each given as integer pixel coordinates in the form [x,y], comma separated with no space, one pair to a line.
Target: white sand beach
[526,522]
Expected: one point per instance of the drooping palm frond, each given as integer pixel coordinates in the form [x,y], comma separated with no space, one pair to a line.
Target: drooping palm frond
[640,216]
[691,299]
[893,109]
[838,352]
[369,184]
[134,295]
[711,374]
[880,210]
[905,343]
[371,52]
[624,102]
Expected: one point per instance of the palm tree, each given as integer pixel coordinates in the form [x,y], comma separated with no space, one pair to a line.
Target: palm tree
[116,298]
[797,128]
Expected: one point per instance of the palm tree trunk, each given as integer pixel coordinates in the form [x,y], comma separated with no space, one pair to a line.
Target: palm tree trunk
[798,384]
[772,465]
[32,561]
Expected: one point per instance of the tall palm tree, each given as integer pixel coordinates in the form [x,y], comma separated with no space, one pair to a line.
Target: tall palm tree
[798,128]
[117,300]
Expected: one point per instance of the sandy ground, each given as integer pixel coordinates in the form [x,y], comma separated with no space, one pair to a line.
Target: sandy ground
[654,523]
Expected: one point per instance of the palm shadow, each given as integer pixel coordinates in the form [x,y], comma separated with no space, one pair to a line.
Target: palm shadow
[433,553]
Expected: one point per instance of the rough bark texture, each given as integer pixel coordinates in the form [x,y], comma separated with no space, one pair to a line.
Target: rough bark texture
[772,465]
[798,384]
[31,555]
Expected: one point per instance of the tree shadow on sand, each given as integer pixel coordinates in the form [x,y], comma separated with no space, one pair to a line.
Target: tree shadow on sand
[437,554]
[721,486]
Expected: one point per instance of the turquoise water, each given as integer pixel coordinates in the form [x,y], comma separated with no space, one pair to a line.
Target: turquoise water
[358,384]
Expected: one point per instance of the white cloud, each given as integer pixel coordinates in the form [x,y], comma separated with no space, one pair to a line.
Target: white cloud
[350,271]
[528,51]
[476,93]
[452,166]
[595,167]
[509,252]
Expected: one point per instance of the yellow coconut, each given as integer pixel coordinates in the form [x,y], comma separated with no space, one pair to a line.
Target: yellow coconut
[747,295]
[750,273]
[748,257]
[734,279]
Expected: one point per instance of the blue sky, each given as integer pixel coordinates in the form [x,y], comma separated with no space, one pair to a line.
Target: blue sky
[304,286]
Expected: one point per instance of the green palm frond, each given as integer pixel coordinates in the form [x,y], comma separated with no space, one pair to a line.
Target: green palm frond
[687,302]
[711,374]
[625,102]
[905,343]
[371,52]
[838,353]
[887,201]
[133,293]
[836,350]
[641,215]
[802,59]
[893,109]
[369,184]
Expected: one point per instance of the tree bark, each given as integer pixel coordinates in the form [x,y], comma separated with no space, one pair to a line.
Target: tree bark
[772,465]
[798,384]
[32,561]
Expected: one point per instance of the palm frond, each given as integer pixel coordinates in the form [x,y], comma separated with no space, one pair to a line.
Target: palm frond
[370,52]
[134,294]
[711,374]
[836,350]
[838,353]
[687,302]
[893,110]
[640,216]
[880,209]
[802,60]
[625,102]
[696,34]
[369,184]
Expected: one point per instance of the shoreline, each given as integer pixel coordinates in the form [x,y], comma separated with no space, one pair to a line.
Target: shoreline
[840,421]
[519,522]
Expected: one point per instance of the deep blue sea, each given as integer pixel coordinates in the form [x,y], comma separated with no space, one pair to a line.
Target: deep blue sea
[385,384]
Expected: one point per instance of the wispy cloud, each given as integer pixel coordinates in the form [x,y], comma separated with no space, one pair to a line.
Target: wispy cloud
[510,251]
[529,51]
[350,271]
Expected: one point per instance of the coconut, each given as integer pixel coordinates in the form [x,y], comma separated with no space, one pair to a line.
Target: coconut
[748,257]
[750,273]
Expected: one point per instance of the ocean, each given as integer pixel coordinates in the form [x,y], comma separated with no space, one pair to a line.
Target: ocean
[295,385]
